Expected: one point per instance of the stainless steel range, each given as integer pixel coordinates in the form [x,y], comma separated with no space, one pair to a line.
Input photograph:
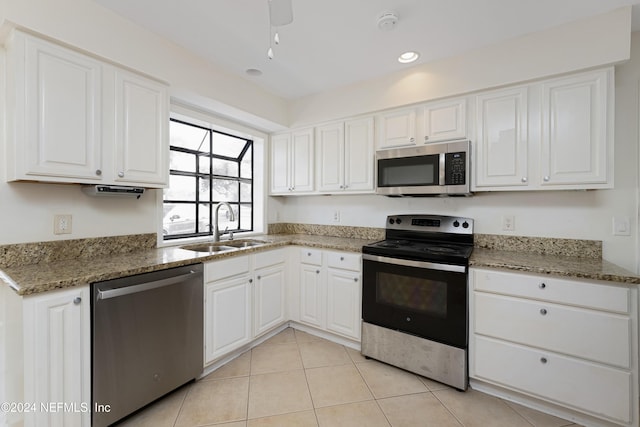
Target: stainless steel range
[414,296]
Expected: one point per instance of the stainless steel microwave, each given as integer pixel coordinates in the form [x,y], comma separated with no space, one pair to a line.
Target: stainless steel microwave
[441,169]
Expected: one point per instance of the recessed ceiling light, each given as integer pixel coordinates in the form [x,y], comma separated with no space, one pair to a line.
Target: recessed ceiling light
[253,72]
[408,57]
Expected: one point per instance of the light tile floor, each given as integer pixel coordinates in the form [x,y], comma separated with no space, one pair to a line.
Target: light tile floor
[297,380]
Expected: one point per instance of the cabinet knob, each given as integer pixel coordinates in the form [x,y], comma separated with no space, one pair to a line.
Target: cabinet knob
[546,178]
[121,174]
[317,271]
[543,311]
[342,187]
[250,280]
[341,258]
[259,277]
[542,286]
[543,360]
[308,253]
[412,140]
[524,179]
[98,172]
[77,300]
[426,137]
[355,279]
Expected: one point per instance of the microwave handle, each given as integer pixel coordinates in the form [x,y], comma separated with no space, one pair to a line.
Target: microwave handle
[441,178]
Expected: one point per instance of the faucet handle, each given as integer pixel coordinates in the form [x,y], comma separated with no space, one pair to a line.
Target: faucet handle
[230,235]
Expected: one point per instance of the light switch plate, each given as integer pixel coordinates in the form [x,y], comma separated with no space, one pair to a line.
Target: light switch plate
[621,226]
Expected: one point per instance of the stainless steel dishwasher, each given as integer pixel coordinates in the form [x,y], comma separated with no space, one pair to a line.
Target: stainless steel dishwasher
[147,334]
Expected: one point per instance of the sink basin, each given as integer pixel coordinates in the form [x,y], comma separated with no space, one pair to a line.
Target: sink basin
[208,247]
[244,243]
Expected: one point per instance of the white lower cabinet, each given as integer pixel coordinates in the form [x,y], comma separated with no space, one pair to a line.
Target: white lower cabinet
[331,291]
[57,358]
[244,298]
[570,343]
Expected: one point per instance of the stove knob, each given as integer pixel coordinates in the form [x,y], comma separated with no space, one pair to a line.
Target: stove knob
[398,221]
[391,221]
[465,224]
[456,223]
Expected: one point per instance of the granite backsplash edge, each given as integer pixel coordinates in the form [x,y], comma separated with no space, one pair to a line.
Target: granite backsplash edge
[13,255]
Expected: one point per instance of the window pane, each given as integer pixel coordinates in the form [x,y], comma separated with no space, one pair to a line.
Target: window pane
[203,214]
[205,163]
[225,168]
[245,217]
[225,190]
[246,167]
[245,192]
[188,136]
[203,189]
[182,161]
[181,188]
[227,146]
[179,219]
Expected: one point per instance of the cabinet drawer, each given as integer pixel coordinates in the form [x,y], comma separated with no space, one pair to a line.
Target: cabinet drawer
[599,390]
[311,256]
[345,261]
[216,270]
[268,258]
[545,288]
[598,336]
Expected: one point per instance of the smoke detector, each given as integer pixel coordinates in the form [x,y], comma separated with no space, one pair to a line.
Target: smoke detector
[387,21]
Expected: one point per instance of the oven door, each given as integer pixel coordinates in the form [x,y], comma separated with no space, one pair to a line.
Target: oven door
[421,298]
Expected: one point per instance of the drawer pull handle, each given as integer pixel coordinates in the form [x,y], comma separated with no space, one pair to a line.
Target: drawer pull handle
[543,311]
[543,360]
[542,286]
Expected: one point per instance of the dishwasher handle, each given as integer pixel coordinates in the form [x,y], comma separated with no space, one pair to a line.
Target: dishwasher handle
[128,290]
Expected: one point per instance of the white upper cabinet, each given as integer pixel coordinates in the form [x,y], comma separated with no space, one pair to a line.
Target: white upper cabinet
[55,96]
[445,120]
[345,156]
[75,119]
[577,130]
[501,141]
[396,128]
[292,162]
[141,121]
[552,135]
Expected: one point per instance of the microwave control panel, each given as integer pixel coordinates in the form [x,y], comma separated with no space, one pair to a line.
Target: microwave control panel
[455,165]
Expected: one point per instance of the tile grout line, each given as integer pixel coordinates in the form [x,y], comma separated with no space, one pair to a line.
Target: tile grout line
[306,379]
[447,408]
[375,399]
[246,420]
[184,399]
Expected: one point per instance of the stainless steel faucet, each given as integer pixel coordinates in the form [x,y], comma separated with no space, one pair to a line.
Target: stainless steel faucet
[216,229]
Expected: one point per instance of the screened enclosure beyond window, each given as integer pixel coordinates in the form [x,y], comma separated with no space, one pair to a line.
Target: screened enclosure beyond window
[207,167]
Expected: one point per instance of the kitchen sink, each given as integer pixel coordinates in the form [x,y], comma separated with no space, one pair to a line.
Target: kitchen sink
[244,243]
[208,247]
[227,245]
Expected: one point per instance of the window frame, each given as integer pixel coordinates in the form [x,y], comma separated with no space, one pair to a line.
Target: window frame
[198,175]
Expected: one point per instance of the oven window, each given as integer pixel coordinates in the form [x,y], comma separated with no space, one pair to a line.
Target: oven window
[412,293]
[408,171]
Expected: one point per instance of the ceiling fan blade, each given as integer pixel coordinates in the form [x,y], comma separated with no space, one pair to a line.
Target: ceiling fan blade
[280,12]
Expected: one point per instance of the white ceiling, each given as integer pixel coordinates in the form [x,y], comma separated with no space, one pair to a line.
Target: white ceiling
[332,43]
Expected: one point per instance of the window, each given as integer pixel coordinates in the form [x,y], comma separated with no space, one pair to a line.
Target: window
[207,167]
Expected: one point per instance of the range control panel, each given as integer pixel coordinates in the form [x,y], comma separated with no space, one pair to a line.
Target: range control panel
[430,223]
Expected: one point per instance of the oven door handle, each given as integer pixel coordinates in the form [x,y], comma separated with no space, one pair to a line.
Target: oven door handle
[419,264]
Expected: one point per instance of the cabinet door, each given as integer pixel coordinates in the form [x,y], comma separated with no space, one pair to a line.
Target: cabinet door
[577,126]
[359,155]
[227,316]
[501,142]
[142,136]
[280,164]
[269,298]
[302,161]
[330,157]
[311,294]
[58,355]
[58,131]
[344,302]
[445,120]
[397,128]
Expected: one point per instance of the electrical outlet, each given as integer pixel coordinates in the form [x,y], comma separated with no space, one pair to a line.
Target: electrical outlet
[62,224]
[621,226]
[336,216]
[508,223]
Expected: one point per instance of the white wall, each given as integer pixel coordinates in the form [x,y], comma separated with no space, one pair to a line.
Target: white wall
[564,214]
